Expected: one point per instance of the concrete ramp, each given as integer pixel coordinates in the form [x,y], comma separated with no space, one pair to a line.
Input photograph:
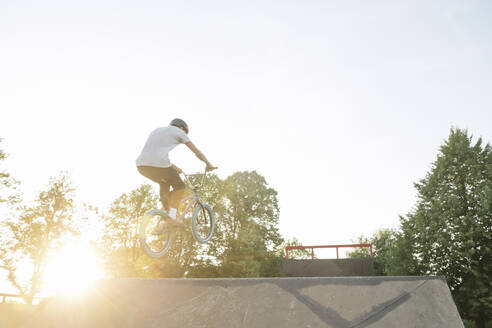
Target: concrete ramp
[264,302]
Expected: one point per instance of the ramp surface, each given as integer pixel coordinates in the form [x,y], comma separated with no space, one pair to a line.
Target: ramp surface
[264,302]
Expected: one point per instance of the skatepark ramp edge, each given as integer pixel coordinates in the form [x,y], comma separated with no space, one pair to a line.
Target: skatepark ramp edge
[339,302]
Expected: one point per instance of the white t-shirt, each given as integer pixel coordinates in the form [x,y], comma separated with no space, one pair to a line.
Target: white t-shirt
[160,142]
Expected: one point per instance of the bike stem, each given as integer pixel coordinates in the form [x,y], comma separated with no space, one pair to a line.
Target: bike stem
[195,188]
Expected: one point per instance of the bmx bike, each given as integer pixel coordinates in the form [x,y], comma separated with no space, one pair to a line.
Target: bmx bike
[157,228]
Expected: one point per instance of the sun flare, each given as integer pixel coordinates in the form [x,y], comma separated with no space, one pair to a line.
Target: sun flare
[73,269]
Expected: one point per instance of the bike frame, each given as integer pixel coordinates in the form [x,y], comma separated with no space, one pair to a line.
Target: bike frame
[194,197]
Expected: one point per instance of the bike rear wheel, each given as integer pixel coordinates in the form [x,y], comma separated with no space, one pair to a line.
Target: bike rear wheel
[203,222]
[155,235]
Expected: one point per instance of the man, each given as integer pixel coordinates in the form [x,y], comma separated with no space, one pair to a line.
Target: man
[154,164]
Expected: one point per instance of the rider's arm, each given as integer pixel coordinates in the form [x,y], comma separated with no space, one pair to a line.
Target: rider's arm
[200,155]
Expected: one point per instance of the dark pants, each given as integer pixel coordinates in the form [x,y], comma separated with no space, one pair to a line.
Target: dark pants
[165,177]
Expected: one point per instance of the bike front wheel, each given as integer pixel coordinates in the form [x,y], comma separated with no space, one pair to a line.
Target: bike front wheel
[155,236]
[203,222]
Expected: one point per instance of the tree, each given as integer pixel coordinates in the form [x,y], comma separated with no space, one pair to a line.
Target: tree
[8,192]
[297,254]
[380,242]
[400,259]
[247,227]
[390,253]
[119,242]
[450,231]
[35,232]
[363,252]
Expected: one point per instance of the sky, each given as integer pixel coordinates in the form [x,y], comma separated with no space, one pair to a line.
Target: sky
[341,105]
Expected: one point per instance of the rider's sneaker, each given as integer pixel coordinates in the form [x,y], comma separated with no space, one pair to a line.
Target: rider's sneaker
[173,221]
[172,213]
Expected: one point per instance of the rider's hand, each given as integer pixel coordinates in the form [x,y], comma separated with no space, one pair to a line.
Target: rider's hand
[210,167]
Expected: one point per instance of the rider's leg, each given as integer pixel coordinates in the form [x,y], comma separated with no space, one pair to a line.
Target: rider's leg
[158,175]
[174,200]
[164,194]
[166,177]
[177,193]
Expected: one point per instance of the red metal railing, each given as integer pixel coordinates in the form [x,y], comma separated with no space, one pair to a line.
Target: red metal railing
[324,246]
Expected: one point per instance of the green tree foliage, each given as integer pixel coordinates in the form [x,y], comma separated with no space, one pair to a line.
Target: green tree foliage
[247,229]
[35,233]
[119,243]
[390,252]
[452,224]
[363,252]
[400,259]
[294,254]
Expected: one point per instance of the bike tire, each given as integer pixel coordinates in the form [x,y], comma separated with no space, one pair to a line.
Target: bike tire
[155,245]
[203,222]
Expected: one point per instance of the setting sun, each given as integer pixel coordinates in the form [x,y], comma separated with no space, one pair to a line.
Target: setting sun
[73,269]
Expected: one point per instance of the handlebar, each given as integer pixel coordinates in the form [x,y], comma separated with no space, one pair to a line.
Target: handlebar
[196,187]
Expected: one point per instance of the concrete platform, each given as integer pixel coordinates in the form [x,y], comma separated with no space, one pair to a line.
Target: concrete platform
[277,302]
[328,268]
